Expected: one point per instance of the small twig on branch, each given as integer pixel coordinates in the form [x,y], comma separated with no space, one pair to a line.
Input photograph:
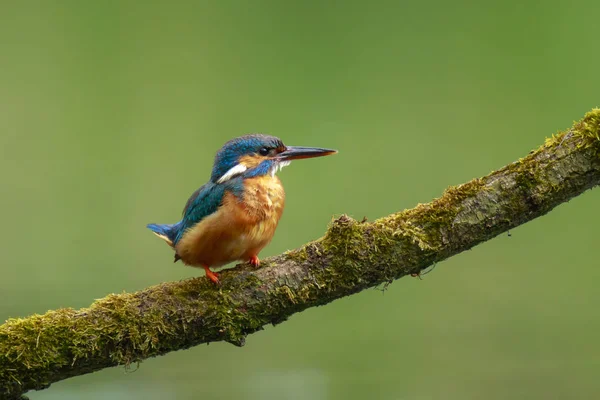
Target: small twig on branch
[121,329]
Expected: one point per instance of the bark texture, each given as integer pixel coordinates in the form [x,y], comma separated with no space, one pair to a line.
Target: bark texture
[121,329]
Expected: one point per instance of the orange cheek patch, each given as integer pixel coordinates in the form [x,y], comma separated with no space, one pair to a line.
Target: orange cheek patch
[252,161]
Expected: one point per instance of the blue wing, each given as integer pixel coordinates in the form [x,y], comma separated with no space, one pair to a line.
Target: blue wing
[201,204]
[166,232]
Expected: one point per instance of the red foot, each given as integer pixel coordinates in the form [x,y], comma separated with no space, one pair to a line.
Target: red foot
[211,275]
[254,261]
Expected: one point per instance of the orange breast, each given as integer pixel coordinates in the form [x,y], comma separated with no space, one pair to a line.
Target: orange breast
[239,229]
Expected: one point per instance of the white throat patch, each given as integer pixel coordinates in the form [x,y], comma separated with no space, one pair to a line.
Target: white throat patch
[234,171]
[241,168]
[279,166]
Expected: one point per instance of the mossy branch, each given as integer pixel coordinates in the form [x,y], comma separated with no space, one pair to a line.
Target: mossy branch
[121,329]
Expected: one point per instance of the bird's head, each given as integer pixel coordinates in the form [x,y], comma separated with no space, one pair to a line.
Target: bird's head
[256,155]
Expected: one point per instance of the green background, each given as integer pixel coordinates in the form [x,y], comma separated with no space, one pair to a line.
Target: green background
[110,115]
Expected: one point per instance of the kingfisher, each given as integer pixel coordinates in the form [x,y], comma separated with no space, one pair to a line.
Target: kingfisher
[234,216]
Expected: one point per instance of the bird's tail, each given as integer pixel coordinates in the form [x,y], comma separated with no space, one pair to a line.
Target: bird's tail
[167,232]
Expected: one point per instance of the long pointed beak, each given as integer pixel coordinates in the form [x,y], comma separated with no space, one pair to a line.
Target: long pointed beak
[298,152]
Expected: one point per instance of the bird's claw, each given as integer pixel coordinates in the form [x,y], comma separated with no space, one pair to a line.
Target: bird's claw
[213,276]
[254,261]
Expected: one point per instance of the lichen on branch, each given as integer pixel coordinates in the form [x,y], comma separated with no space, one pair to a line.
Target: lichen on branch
[127,328]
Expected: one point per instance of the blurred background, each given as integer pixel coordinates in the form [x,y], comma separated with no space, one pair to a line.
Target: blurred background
[110,115]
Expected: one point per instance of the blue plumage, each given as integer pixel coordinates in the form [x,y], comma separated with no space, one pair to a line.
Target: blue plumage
[261,169]
[207,199]
[228,156]
[244,200]
[169,231]
[202,203]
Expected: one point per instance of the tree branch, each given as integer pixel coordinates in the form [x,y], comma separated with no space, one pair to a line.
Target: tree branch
[127,328]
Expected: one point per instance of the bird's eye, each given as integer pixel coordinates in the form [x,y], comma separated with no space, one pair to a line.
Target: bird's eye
[263,151]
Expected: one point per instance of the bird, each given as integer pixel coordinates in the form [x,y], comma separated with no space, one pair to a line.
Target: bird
[234,215]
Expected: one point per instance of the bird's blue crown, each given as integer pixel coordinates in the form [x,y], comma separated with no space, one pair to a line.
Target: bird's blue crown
[255,145]
[244,157]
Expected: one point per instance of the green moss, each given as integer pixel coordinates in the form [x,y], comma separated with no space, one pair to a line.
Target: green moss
[126,328]
[589,126]
[299,255]
[427,224]
[423,224]
[33,343]
[122,329]
[589,129]
[362,252]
